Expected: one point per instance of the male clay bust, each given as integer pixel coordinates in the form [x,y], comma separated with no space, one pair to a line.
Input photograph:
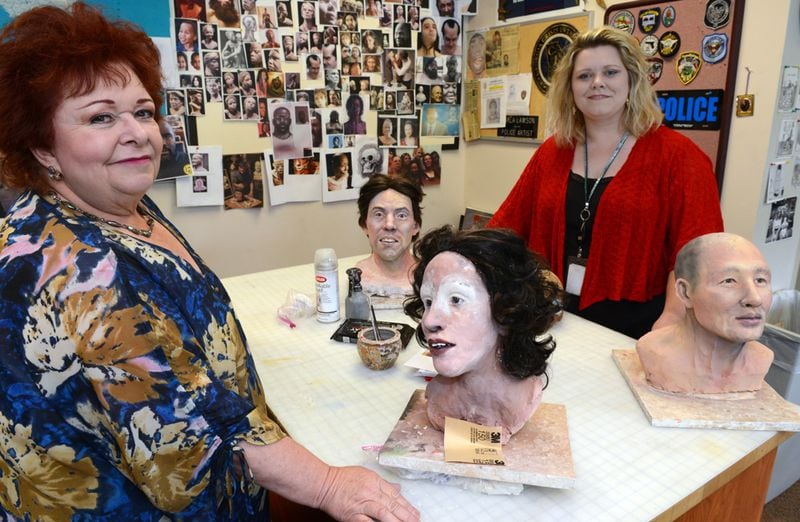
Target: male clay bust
[724,283]
[391,217]
[484,301]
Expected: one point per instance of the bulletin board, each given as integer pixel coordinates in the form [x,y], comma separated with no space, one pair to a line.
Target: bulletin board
[696,48]
[540,44]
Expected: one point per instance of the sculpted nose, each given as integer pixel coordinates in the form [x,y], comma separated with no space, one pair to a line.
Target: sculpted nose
[431,321]
[751,296]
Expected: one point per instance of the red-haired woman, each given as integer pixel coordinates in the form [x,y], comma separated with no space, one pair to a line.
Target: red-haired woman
[125,378]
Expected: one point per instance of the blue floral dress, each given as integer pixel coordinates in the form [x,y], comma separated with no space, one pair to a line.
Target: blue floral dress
[125,381]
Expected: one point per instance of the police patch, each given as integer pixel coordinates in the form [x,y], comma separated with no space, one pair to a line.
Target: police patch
[668,16]
[688,66]
[715,47]
[718,13]
[649,45]
[549,48]
[655,66]
[669,44]
[623,21]
[649,19]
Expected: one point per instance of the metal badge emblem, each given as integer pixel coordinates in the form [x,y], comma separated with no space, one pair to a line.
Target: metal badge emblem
[549,48]
[688,66]
[624,21]
[649,20]
[718,13]
[715,47]
[655,66]
[668,16]
[649,45]
[669,44]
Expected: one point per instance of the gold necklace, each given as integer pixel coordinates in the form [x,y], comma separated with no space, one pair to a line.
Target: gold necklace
[141,209]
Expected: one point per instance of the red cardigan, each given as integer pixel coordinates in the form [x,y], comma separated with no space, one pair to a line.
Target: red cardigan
[663,196]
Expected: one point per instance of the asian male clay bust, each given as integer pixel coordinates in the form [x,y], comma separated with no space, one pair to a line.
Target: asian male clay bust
[724,283]
[390,215]
[484,303]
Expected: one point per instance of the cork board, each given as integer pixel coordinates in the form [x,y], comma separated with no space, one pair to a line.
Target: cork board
[700,108]
[537,49]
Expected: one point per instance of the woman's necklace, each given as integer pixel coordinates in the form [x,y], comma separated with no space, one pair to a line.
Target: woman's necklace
[65,203]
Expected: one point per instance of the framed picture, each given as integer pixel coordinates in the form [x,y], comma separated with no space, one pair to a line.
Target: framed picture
[474,219]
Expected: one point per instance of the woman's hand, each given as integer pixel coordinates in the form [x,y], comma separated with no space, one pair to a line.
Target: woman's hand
[348,493]
[355,494]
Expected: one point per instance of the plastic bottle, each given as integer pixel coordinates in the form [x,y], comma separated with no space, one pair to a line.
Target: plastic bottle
[326,274]
[356,306]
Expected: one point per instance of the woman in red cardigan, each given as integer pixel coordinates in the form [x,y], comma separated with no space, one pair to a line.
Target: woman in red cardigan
[613,195]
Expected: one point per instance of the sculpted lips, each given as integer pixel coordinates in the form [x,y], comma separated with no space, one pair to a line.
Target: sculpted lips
[751,320]
[436,346]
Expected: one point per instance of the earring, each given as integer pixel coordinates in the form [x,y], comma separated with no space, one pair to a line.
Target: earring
[54,174]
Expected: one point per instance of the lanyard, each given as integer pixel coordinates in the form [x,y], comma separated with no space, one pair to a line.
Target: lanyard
[586,214]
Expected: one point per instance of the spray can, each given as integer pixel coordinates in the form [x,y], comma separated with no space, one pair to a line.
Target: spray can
[356,306]
[326,274]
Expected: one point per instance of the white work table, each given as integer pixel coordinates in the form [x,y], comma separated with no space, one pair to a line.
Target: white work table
[625,469]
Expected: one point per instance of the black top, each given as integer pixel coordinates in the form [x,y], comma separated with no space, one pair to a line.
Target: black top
[631,318]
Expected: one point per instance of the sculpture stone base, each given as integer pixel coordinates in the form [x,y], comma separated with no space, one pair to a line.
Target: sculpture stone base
[762,410]
[537,455]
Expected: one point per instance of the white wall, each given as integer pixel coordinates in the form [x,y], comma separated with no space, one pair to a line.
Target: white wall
[760,141]
[495,166]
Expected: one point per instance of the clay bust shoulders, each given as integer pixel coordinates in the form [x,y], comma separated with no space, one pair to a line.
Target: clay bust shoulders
[460,399]
[376,280]
[675,366]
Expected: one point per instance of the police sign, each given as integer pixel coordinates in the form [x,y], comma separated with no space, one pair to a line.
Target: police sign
[695,110]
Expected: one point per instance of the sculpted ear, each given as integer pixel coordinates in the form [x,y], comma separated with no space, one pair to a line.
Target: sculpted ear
[684,291]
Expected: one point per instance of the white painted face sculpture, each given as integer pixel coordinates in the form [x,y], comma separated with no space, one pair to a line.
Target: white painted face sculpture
[457,322]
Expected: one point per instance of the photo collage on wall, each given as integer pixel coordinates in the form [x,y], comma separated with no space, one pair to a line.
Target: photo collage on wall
[339,90]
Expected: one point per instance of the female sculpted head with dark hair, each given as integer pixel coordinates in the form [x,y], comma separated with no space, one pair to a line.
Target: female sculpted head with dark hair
[485,303]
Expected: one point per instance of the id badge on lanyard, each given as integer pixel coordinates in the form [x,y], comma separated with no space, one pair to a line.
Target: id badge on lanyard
[576,265]
[576,270]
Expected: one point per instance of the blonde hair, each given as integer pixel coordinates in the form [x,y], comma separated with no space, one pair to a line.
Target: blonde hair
[642,111]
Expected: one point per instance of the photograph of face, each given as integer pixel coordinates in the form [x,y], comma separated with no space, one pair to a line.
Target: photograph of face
[340,174]
[450,36]
[476,55]
[405,101]
[450,93]
[233,107]
[328,10]
[304,166]
[186,32]
[387,132]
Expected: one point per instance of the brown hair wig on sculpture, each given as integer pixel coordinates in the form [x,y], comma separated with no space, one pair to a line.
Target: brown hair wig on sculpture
[524,300]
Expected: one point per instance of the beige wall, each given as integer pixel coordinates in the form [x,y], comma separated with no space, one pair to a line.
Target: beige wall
[237,242]
[495,166]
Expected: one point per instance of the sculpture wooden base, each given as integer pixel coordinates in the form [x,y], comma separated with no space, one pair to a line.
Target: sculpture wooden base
[763,410]
[538,455]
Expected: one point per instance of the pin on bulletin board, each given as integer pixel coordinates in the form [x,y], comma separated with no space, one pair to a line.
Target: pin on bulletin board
[745,103]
